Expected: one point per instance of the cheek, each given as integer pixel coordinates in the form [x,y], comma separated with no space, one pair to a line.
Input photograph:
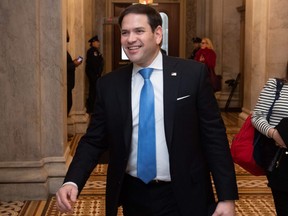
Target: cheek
[122,40]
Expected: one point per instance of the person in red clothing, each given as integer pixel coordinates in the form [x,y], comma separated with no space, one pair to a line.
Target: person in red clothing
[206,54]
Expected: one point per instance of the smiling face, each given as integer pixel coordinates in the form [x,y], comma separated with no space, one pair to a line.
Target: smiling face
[140,44]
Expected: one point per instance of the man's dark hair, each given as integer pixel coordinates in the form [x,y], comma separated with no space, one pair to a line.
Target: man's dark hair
[154,18]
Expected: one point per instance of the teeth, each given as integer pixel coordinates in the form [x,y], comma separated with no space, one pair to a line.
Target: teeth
[133,48]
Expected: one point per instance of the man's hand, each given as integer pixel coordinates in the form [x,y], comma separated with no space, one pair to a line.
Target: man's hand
[225,208]
[66,196]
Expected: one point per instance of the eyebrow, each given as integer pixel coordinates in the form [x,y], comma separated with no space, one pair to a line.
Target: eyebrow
[133,29]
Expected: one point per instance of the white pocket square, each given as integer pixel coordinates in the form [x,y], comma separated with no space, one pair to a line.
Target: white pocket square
[173,74]
[181,98]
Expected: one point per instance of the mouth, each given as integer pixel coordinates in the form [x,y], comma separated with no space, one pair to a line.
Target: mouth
[134,47]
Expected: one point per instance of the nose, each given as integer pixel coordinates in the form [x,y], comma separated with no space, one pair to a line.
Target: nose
[131,38]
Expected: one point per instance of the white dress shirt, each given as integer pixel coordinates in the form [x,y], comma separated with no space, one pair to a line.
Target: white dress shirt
[162,156]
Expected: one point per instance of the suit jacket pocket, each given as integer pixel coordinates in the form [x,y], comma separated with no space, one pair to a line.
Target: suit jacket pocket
[183,97]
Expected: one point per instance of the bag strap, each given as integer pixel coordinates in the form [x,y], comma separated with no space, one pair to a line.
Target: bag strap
[279,152]
[257,137]
[280,83]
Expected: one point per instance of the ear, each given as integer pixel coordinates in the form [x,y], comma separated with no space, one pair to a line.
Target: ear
[158,34]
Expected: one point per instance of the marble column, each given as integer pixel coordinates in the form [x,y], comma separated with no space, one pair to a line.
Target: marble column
[33,94]
[225,33]
[77,120]
[266,45]
[220,21]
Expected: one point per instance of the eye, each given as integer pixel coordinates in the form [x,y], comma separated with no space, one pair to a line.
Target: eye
[124,33]
[140,31]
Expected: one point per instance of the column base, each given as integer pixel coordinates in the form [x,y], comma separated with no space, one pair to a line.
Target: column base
[31,180]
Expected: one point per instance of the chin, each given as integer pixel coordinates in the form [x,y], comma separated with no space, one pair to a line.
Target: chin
[134,59]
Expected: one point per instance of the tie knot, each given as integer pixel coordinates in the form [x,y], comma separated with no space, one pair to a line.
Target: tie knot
[146,72]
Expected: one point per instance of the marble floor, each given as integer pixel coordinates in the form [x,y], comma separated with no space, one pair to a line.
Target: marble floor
[255,197]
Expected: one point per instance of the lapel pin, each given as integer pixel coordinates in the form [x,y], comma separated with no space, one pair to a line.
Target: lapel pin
[173,74]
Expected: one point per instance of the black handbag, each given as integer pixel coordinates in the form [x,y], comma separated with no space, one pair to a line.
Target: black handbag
[266,153]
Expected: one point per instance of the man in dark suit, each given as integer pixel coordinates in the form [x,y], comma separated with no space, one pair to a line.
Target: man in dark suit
[191,142]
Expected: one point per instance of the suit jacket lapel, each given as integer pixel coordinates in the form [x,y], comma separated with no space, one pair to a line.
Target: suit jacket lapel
[171,78]
[124,103]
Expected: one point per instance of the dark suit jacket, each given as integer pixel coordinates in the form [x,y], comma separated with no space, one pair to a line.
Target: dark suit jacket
[194,130]
[70,72]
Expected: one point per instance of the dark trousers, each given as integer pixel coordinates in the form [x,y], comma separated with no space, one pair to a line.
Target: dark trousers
[153,199]
[278,180]
[280,201]
[69,101]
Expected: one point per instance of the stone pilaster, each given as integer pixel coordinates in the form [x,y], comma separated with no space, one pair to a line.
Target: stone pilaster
[266,46]
[33,94]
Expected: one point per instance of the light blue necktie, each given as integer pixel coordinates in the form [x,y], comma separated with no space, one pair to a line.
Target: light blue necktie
[146,158]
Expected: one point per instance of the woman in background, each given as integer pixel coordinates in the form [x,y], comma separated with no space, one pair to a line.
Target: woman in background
[276,129]
[206,54]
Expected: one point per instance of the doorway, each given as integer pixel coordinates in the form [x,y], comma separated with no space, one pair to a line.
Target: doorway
[171,14]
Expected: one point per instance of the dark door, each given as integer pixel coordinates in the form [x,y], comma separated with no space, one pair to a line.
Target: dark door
[172,12]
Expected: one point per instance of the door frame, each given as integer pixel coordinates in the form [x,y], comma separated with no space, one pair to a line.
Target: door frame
[173,12]
[108,30]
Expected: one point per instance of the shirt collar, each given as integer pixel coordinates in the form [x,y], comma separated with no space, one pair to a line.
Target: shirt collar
[156,64]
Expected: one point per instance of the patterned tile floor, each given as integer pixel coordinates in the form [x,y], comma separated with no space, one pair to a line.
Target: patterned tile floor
[255,197]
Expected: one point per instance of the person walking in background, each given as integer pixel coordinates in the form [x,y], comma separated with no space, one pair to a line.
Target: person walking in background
[196,46]
[206,54]
[275,129]
[71,66]
[93,69]
[163,154]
